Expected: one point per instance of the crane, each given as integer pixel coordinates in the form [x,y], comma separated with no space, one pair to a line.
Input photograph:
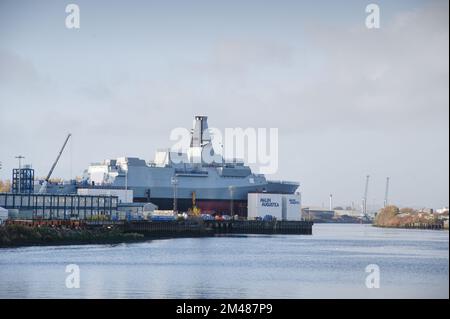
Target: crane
[44,184]
[366,190]
[386,193]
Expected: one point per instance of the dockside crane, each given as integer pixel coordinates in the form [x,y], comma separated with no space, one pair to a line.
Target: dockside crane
[366,190]
[44,184]
[386,192]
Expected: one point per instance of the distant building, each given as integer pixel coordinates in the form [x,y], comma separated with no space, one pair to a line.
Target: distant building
[317,213]
[443,210]
[347,212]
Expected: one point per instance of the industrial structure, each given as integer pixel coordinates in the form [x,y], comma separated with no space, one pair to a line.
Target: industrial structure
[45,182]
[48,206]
[386,192]
[23,180]
[280,206]
[364,201]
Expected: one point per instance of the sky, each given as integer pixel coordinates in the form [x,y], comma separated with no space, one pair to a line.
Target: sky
[348,101]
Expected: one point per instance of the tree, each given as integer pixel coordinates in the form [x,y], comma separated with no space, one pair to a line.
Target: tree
[387,216]
[5,186]
[408,210]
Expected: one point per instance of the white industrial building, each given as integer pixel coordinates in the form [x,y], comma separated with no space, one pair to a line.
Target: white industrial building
[124,195]
[3,215]
[291,207]
[280,206]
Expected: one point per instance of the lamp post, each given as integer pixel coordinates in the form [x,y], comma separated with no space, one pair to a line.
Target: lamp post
[126,183]
[231,189]
[20,157]
[174,183]
[331,202]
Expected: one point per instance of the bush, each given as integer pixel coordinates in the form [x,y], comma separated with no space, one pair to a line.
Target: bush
[387,216]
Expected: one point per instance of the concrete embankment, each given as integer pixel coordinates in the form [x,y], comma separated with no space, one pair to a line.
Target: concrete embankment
[20,235]
[212,227]
[51,232]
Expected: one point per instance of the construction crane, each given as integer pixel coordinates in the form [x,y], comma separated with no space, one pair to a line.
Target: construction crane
[366,190]
[386,193]
[44,184]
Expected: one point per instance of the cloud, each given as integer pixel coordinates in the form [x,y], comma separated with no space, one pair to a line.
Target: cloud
[16,70]
[399,71]
[243,55]
[347,100]
[361,78]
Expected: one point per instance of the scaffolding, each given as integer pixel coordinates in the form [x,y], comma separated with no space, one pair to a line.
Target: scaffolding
[23,180]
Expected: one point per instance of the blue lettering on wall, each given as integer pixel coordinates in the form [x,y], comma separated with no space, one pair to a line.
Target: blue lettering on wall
[267,202]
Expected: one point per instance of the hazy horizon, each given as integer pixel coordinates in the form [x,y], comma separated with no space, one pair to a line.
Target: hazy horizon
[348,101]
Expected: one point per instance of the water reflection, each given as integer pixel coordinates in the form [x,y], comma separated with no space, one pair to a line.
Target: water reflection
[328,264]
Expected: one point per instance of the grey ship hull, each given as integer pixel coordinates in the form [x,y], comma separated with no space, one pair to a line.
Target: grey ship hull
[211,190]
[210,198]
[211,187]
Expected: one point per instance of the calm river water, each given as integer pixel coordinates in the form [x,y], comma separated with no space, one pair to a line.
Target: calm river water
[329,264]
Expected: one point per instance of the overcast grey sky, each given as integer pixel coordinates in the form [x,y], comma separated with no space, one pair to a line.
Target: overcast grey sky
[348,101]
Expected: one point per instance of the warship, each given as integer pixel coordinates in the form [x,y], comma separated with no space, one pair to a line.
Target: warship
[178,179]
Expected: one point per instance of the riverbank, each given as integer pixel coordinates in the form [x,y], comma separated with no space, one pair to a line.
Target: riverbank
[408,218]
[19,235]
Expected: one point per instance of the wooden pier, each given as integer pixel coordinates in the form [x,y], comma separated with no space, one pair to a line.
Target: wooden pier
[432,226]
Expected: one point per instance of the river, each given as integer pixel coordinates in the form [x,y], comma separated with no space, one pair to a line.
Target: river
[331,263]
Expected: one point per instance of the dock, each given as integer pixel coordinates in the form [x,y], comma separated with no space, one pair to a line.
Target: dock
[164,229]
[210,228]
